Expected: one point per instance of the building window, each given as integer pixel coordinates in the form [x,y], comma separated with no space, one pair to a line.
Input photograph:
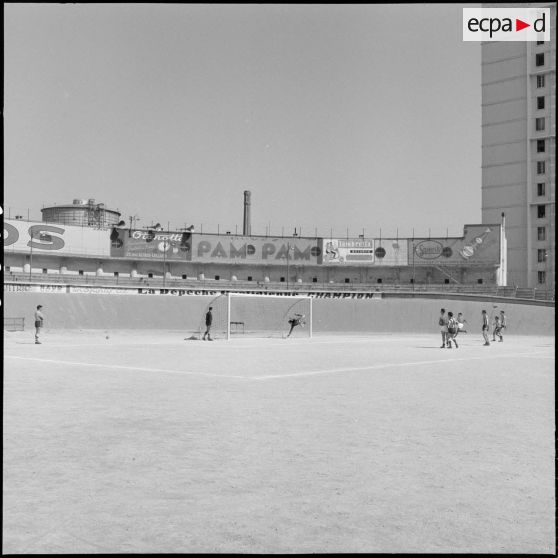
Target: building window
[539,124]
[347,280]
[541,146]
[540,103]
[184,276]
[541,188]
[541,211]
[45,270]
[116,273]
[541,277]
[80,271]
[217,277]
[7,268]
[446,281]
[281,279]
[541,255]
[249,278]
[541,167]
[412,281]
[540,81]
[479,281]
[539,59]
[540,42]
[314,279]
[150,275]
[379,280]
[541,233]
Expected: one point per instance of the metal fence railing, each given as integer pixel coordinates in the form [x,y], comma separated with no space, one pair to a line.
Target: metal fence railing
[14,324]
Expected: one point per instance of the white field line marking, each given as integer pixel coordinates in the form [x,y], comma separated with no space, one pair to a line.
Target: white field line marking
[280,376]
[389,365]
[134,368]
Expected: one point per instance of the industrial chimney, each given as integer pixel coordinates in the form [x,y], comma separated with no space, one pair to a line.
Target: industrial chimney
[247,227]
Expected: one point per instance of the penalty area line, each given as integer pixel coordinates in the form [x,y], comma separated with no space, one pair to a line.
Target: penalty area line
[391,365]
[131,368]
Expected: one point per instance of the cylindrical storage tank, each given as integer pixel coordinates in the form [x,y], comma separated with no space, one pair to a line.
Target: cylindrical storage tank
[82,214]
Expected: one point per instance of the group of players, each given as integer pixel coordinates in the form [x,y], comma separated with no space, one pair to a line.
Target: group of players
[451,326]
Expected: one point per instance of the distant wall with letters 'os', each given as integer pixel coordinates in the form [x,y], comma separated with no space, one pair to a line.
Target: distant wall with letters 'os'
[96,309]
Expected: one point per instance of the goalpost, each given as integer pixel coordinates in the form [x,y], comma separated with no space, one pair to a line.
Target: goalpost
[257,315]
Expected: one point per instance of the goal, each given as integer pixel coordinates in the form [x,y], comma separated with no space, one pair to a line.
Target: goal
[239,314]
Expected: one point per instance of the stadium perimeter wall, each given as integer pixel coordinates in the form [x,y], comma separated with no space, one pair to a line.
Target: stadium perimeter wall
[393,313]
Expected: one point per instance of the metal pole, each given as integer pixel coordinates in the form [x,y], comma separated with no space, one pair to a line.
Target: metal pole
[164,261]
[413,248]
[31,256]
[228,316]
[288,262]
[310,317]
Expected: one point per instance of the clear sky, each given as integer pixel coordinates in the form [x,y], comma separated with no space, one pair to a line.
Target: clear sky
[364,117]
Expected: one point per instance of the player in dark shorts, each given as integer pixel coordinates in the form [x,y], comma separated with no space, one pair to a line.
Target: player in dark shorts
[208,322]
[485,328]
[38,323]
[297,320]
[443,323]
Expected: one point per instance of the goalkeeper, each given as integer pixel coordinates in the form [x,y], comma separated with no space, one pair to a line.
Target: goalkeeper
[297,320]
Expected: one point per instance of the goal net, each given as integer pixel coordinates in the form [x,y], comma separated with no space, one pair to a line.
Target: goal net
[238,314]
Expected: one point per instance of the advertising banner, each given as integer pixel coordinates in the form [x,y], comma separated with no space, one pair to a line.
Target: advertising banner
[365,251]
[390,251]
[52,238]
[345,251]
[480,244]
[151,244]
[86,289]
[256,250]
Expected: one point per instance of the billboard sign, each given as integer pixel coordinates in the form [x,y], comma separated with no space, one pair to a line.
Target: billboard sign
[348,251]
[390,251]
[364,251]
[54,238]
[480,244]
[151,244]
[254,249]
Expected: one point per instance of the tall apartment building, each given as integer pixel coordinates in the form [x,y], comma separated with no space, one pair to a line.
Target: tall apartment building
[519,152]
